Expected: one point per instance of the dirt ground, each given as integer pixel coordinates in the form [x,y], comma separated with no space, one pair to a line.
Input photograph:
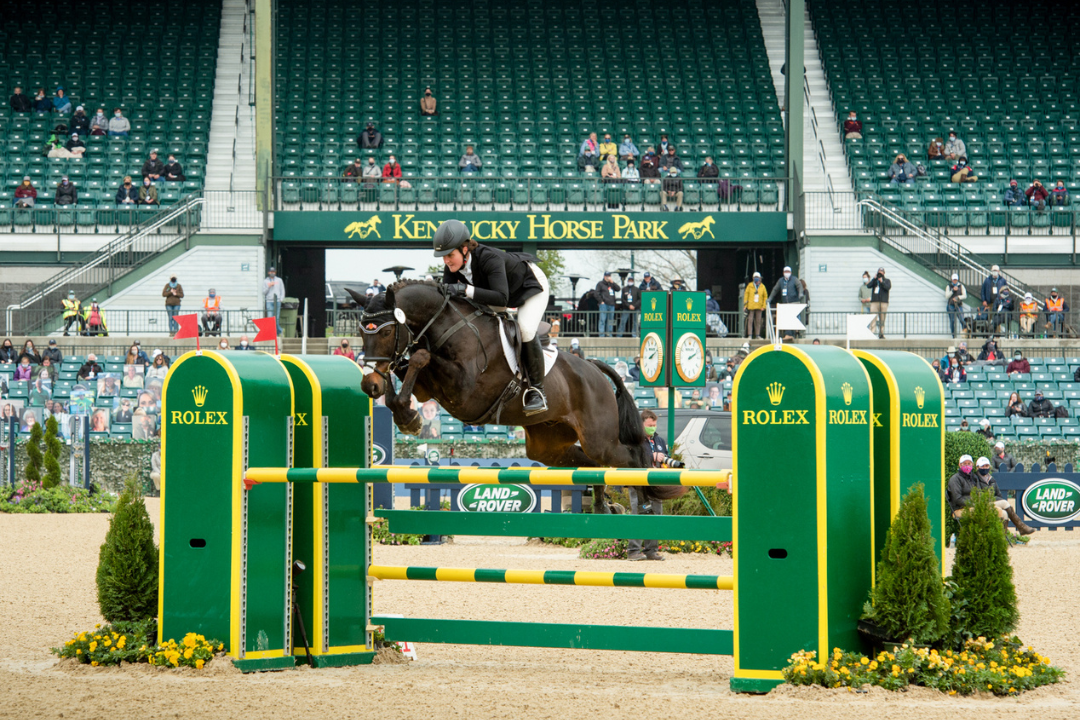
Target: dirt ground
[47,592]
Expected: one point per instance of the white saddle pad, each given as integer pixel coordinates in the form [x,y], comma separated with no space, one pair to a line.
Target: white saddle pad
[550,352]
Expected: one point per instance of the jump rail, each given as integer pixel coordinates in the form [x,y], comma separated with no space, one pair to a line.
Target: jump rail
[553,577]
[492,476]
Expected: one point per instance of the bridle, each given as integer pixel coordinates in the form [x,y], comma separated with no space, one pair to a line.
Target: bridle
[404,342]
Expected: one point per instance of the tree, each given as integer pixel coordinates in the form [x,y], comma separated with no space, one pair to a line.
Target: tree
[964,443]
[127,574]
[52,454]
[551,262]
[34,461]
[664,265]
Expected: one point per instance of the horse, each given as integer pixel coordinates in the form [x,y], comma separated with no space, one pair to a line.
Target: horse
[448,348]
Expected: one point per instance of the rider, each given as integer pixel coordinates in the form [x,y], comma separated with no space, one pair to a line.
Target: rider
[500,279]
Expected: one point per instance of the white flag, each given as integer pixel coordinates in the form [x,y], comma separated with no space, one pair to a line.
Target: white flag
[858,327]
[787,316]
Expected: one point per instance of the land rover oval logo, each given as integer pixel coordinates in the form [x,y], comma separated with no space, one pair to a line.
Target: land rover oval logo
[497,498]
[377,455]
[1054,500]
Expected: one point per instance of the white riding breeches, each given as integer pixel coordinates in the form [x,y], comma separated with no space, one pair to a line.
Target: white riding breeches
[532,310]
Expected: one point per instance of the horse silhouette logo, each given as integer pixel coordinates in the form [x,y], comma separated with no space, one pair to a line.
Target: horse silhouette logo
[698,229]
[364,228]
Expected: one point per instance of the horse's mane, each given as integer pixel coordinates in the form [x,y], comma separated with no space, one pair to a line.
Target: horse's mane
[407,282]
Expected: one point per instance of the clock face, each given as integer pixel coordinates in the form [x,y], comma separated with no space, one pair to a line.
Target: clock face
[689,357]
[652,357]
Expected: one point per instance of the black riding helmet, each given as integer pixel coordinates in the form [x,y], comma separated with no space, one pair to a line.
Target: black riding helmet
[451,235]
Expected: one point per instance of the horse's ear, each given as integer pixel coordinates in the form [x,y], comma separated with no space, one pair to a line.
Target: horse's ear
[358,297]
[388,299]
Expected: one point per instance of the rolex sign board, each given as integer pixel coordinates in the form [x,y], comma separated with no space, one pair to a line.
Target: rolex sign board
[687,339]
[654,339]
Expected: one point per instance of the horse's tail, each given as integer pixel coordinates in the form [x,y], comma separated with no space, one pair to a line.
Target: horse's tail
[631,431]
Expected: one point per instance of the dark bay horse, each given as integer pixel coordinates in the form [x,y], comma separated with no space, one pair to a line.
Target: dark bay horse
[441,347]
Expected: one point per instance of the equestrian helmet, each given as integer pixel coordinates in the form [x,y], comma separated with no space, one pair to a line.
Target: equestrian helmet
[451,235]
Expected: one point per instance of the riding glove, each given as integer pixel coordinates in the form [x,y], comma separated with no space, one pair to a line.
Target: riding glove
[457,288]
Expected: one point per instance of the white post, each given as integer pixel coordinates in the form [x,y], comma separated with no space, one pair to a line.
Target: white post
[303,339]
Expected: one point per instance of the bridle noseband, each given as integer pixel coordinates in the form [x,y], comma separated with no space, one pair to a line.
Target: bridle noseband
[373,323]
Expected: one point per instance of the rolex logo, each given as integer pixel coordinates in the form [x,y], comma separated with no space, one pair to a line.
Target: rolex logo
[846,389]
[920,396]
[689,303]
[199,393]
[776,392]
[653,304]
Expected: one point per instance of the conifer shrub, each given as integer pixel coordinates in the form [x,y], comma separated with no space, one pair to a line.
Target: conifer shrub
[127,574]
[52,454]
[34,460]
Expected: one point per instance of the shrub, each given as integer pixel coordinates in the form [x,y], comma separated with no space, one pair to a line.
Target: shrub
[110,645]
[127,574]
[34,462]
[964,443]
[984,598]
[30,497]
[908,600]
[690,503]
[52,454]
[603,550]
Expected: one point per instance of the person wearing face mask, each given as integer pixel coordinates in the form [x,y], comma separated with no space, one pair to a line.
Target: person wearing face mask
[79,122]
[640,502]
[148,193]
[23,371]
[344,350]
[650,167]
[788,289]
[1029,313]
[66,194]
[99,124]
[470,162]
[372,173]
[1037,196]
[973,476]
[1059,196]
[370,139]
[25,194]
[211,319]
[673,192]
[955,295]
[708,173]
[119,126]
[630,174]
[1003,310]
[1019,365]
[879,301]
[991,286]
[354,170]
[962,172]
[75,145]
[173,292]
[955,148]
[1056,307]
[1002,460]
[630,309]
[391,171]
[936,151]
[245,344]
[990,354]
[1014,196]
[173,171]
[755,302]
[72,313]
[224,344]
[1040,407]
[608,149]
[94,319]
[985,430]
[628,150]
[852,127]
[865,295]
[30,353]
[427,104]
[127,194]
[902,172]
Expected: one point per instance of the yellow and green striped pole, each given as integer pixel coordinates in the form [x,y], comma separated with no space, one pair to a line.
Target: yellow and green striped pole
[552,577]
[493,476]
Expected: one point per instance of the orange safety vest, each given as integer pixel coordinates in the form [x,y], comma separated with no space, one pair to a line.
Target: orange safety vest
[216,307]
[1029,309]
[1053,305]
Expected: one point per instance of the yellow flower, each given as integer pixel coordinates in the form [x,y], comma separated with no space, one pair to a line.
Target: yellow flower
[175,662]
[221,647]
[94,663]
[106,642]
[189,640]
[874,665]
[187,654]
[78,651]
[93,646]
[865,661]
[199,664]
[120,643]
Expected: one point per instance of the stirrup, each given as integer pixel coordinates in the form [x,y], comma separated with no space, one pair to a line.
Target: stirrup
[525,400]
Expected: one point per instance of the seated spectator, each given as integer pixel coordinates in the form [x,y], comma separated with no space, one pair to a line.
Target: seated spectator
[370,139]
[211,319]
[631,174]
[936,151]
[245,344]
[673,192]
[344,351]
[670,160]
[99,124]
[20,103]
[1059,196]
[1014,196]
[627,149]
[852,127]
[1015,406]
[664,144]
[23,371]
[956,372]
[1056,307]
[173,171]
[391,171]
[153,168]
[990,354]
[902,171]
[962,172]
[609,173]
[90,368]
[354,170]
[1001,459]
[66,194]
[148,193]
[119,126]
[79,122]
[1040,407]
[708,172]
[42,104]
[589,154]
[607,148]
[427,104]
[371,171]
[75,145]
[159,368]
[963,354]
[30,353]
[1037,196]
[8,353]
[470,161]
[955,148]
[1019,365]
[127,194]
[650,167]
[1029,313]
[985,430]
[61,102]
[25,194]
[52,352]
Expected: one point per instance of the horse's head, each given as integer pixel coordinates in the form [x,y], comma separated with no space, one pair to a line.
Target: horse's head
[389,325]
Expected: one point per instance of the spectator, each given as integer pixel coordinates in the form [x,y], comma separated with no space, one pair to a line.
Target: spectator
[30,353]
[962,353]
[79,122]
[52,354]
[1059,196]
[1040,407]
[788,289]
[1037,196]
[375,288]
[1002,460]
[99,124]
[8,353]
[370,139]
[1029,312]
[148,193]
[23,371]
[61,102]
[173,171]
[427,104]
[1015,406]
[224,344]
[936,151]
[75,145]
[153,168]
[650,167]
[964,482]
[245,344]
[627,149]
[755,302]
[936,365]
[852,127]
[1014,197]
[708,173]
[955,148]
[158,367]
[470,162]
[955,295]
[135,356]
[354,170]
[607,148]
[609,173]
[630,308]
[640,502]
[649,283]
[127,194]
[671,160]
[391,171]
[589,154]
[631,174]
[992,286]
[990,354]
[879,303]
[20,103]
[90,369]
[211,317]
[985,430]
[606,291]
[962,172]
[173,292]
[25,194]
[371,172]
[664,144]
[344,351]
[575,348]
[42,104]
[119,125]
[273,294]
[1056,307]
[865,294]
[54,146]
[1019,365]
[633,373]
[1003,308]
[673,191]
[902,171]
[66,194]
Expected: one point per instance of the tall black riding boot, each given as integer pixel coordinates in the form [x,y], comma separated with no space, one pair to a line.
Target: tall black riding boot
[533,357]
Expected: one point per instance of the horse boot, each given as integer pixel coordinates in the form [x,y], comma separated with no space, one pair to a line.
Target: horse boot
[1021,527]
[533,356]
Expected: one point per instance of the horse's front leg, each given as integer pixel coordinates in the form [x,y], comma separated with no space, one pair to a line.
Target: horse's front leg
[407,419]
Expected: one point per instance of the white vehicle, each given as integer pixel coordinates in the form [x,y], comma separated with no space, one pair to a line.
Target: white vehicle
[702,437]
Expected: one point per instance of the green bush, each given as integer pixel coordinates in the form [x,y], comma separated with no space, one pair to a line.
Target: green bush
[52,454]
[34,460]
[964,443]
[690,503]
[127,574]
[32,498]
[908,600]
[984,598]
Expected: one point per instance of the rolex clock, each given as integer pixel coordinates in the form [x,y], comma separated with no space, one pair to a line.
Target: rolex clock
[688,323]
[655,334]
[652,357]
[689,358]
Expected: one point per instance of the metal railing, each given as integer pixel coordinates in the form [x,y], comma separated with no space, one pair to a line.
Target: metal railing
[967,324]
[467,193]
[46,321]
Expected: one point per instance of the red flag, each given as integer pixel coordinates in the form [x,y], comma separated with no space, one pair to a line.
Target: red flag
[189,326]
[267,329]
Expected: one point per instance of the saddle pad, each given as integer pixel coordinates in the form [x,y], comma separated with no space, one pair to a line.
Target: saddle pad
[550,352]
